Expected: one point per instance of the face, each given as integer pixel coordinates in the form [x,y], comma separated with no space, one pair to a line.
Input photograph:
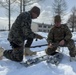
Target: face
[57,24]
[34,15]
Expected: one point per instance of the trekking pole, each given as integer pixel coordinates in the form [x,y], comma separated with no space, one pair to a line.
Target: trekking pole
[39,45]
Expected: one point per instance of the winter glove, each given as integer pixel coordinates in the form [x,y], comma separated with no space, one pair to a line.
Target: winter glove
[39,36]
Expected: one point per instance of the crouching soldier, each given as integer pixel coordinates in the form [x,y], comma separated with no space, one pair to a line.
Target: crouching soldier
[61,35]
[21,31]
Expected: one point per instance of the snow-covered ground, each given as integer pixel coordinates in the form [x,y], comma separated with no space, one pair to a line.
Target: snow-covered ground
[8,67]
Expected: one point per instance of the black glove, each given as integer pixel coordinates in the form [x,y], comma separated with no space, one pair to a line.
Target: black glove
[39,36]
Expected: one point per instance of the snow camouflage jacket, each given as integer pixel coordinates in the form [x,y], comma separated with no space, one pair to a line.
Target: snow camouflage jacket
[21,29]
[57,34]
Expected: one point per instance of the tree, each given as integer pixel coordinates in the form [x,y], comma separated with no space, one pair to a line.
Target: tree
[59,6]
[10,4]
[24,3]
[72,19]
[7,5]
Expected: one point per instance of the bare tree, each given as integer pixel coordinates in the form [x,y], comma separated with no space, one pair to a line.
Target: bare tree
[59,6]
[24,3]
[72,19]
[20,6]
[7,5]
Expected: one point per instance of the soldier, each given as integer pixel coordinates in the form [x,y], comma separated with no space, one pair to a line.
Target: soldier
[21,31]
[60,34]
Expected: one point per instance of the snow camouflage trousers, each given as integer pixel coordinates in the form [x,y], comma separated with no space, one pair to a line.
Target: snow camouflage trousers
[71,47]
[15,55]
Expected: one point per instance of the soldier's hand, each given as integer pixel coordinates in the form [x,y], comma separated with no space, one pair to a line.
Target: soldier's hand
[62,42]
[39,36]
[50,46]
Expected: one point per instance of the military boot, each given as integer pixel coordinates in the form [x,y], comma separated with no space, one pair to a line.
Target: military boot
[1,53]
[28,52]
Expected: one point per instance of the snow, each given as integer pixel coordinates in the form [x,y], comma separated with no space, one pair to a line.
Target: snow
[8,67]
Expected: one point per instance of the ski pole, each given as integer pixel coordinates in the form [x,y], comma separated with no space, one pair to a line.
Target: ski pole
[39,46]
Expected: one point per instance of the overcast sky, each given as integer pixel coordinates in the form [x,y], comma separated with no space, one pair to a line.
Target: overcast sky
[70,4]
[45,6]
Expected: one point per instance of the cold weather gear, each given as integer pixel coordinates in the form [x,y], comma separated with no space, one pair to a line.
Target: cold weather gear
[57,34]
[36,10]
[16,54]
[57,18]
[19,32]
[21,29]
